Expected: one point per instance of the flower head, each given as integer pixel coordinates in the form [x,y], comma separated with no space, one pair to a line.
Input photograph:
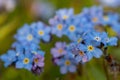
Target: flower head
[24,61]
[80,53]
[41,31]
[9,58]
[26,36]
[64,13]
[58,29]
[67,64]
[38,64]
[94,14]
[59,50]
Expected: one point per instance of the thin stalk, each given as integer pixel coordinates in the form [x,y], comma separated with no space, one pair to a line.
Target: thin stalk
[104,63]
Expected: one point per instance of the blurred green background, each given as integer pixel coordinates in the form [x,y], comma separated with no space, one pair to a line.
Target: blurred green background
[14,15]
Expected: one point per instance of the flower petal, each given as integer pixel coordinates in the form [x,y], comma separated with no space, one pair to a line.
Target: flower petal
[19,64]
[97,53]
[63,69]
[72,68]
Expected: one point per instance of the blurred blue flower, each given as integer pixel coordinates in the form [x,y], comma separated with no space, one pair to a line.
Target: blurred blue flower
[80,53]
[59,50]
[64,14]
[92,51]
[61,16]
[94,37]
[58,29]
[8,58]
[58,23]
[26,36]
[38,61]
[110,3]
[109,41]
[73,29]
[67,64]
[110,19]
[41,31]
[25,61]
[93,14]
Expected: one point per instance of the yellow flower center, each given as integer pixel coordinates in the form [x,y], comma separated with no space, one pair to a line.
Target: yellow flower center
[81,53]
[95,19]
[26,61]
[41,33]
[72,28]
[67,62]
[36,60]
[29,37]
[65,17]
[90,48]
[59,26]
[106,18]
[60,50]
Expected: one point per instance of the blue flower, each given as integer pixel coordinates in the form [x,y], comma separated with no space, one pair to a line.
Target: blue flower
[41,31]
[110,3]
[93,51]
[84,52]
[80,53]
[64,14]
[59,50]
[67,64]
[58,23]
[38,64]
[110,19]
[25,35]
[94,37]
[84,23]
[25,61]
[110,41]
[72,29]
[94,14]
[58,29]
[9,58]
[90,50]
[61,16]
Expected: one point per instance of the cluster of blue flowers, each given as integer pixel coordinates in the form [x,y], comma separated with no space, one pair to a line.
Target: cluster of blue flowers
[87,32]
[25,52]
[90,46]
[67,23]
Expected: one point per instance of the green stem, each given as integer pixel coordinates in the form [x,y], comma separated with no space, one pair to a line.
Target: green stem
[104,63]
[106,70]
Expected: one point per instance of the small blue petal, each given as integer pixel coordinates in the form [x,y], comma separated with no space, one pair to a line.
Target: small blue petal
[63,69]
